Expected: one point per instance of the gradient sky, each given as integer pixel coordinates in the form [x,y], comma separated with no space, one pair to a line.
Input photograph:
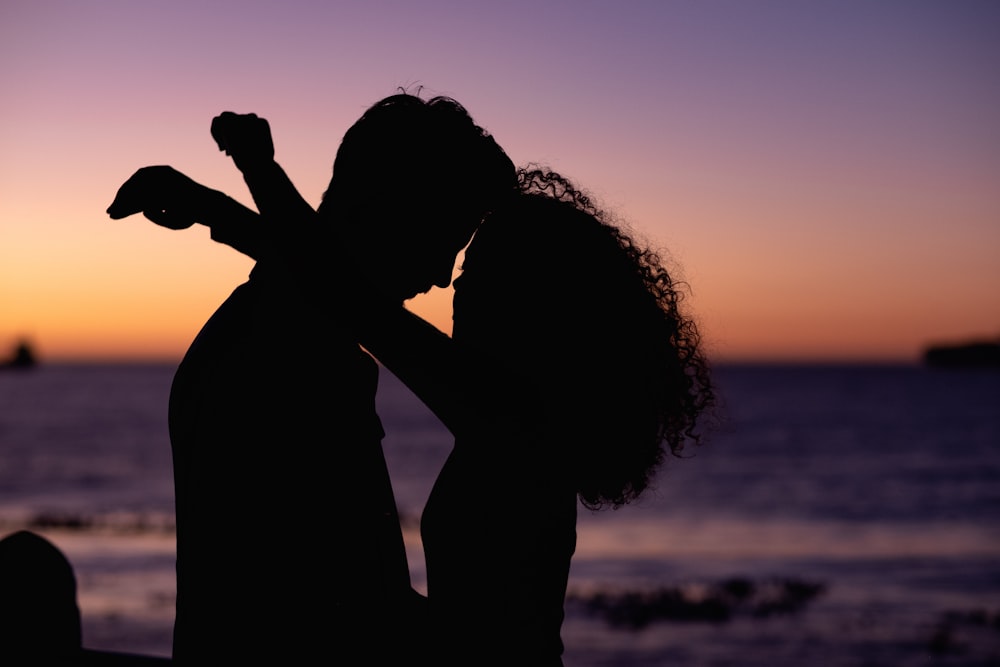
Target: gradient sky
[824,174]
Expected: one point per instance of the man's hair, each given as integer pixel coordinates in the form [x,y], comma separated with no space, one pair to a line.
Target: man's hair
[405,147]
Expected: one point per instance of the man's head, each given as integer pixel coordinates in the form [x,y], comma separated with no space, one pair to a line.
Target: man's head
[411,181]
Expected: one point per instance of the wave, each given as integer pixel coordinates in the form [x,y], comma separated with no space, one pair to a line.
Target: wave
[715,602]
[118,523]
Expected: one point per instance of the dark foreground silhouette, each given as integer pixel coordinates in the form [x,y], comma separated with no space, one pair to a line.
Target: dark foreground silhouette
[39,614]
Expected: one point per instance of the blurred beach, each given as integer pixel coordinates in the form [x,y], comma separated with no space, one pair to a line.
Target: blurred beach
[844,515]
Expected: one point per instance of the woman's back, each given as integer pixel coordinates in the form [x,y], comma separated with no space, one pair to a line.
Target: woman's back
[498,545]
[581,368]
[499,528]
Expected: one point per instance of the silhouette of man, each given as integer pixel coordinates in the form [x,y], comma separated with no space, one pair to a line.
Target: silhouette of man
[288,540]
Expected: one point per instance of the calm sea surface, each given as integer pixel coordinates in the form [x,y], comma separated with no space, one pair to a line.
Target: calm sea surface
[845,515]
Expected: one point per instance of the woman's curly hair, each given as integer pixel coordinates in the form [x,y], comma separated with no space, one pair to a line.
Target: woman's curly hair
[646,376]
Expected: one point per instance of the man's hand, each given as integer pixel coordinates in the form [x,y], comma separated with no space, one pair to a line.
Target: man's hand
[244,137]
[164,195]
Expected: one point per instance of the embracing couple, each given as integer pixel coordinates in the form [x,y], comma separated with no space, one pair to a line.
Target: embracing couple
[570,374]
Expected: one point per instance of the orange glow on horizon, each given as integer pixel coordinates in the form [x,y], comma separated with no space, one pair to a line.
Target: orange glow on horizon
[827,186]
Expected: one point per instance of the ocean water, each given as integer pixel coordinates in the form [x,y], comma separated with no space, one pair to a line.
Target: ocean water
[844,515]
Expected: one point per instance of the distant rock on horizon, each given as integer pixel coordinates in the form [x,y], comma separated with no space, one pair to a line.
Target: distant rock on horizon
[23,357]
[973,354]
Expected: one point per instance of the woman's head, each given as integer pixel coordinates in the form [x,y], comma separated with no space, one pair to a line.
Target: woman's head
[629,378]
[411,181]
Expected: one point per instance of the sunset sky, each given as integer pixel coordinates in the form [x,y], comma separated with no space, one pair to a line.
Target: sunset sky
[825,175]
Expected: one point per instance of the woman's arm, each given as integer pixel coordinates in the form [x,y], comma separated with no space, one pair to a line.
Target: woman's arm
[468,390]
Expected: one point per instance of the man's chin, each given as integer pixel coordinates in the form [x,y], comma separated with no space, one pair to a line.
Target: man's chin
[412,294]
[397,293]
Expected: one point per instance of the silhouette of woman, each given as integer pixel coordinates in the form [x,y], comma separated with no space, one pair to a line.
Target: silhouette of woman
[571,373]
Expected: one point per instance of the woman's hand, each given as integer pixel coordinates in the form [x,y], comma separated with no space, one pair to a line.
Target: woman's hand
[244,137]
[165,196]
